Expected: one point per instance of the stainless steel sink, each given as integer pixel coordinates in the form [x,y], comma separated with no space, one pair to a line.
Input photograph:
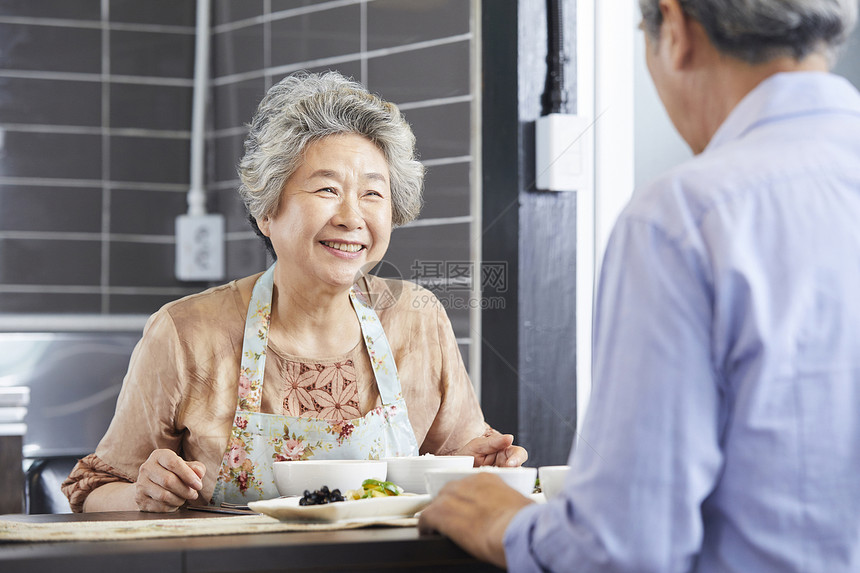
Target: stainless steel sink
[74,379]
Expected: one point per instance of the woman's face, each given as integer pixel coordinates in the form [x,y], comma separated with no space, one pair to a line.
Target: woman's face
[334,215]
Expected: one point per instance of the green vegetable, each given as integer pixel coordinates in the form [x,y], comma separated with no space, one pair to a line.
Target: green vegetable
[380,487]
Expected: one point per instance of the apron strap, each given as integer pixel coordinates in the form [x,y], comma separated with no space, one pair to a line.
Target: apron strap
[254,343]
[381,356]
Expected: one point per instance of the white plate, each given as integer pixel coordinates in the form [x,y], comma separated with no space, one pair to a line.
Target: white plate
[364,510]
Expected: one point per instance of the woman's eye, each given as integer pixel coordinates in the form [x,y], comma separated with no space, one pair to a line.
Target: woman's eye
[374,193]
[326,190]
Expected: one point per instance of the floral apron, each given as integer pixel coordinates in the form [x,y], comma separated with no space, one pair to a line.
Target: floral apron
[257,440]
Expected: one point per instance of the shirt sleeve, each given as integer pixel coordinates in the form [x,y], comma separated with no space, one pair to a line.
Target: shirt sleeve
[144,419]
[649,451]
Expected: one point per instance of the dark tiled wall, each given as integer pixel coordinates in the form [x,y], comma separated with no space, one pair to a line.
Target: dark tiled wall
[95,107]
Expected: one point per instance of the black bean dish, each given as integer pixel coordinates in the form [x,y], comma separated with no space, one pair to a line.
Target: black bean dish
[321,496]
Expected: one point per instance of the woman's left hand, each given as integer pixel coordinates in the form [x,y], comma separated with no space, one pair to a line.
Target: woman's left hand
[495,450]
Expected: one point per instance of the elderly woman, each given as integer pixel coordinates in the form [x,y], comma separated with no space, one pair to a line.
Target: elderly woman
[306,360]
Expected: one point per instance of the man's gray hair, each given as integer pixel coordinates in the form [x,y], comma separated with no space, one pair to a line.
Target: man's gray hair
[756,31]
[304,108]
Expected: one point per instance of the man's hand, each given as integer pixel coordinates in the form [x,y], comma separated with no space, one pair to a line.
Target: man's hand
[166,481]
[474,512]
[495,450]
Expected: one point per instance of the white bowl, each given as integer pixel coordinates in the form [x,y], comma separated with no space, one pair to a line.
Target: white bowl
[552,479]
[520,478]
[408,472]
[294,477]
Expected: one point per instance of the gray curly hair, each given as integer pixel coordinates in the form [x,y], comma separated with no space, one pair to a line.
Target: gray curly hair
[303,108]
[756,31]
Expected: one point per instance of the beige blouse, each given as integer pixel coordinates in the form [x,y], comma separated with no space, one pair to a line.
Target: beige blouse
[180,391]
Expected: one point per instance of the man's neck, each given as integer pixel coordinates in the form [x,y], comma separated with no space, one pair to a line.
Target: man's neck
[729,80]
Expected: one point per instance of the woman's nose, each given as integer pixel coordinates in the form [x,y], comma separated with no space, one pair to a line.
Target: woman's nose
[348,214]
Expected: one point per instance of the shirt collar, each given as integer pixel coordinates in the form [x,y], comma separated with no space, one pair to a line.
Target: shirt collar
[785,95]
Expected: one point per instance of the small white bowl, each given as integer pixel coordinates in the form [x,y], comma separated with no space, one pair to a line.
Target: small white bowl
[552,479]
[293,478]
[520,478]
[408,472]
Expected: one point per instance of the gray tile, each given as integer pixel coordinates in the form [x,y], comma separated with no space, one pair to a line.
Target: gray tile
[51,155]
[139,303]
[47,262]
[228,151]
[231,206]
[169,12]
[77,10]
[324,34]
[349,69]
[50,102]
[447,191]
[460,321]
[397,22]
[145,212]
[245,258]
[153,54]
[225,11]
[278,5]
[50,48]
[415,250]
[54,209]
[150,107]
[143,264]
[234,104]
[238,50]
[441,131]
[149,160]
[213,201]
[52,303]
[437,72]
[464,352]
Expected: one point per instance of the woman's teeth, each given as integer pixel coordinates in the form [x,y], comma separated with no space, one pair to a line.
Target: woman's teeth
[349,248]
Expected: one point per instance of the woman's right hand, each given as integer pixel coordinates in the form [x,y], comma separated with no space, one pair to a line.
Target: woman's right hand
[166,481]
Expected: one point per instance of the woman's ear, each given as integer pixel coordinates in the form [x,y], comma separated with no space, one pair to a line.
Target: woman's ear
[263,224]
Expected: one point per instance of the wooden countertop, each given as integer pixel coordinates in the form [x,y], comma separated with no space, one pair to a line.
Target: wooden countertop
[366,549]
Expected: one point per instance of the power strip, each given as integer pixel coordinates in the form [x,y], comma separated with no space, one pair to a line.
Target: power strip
[560,156]
[200,247]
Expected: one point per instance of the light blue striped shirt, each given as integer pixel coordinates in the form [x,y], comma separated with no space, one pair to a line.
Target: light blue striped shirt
[723,432]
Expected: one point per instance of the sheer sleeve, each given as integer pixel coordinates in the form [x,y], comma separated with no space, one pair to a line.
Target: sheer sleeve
[459,418]
[88,474]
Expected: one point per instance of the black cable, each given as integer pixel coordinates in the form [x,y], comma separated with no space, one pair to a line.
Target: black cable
[554,98]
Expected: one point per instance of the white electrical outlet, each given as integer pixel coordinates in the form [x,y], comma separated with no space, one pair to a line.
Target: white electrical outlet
[200,247]
[560,152]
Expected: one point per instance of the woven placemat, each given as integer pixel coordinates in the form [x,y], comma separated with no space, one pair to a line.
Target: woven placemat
[16,531]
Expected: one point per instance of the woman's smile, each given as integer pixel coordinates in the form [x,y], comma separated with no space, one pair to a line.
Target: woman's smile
[343,249]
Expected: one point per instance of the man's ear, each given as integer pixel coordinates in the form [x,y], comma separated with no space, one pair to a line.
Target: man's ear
[676,34]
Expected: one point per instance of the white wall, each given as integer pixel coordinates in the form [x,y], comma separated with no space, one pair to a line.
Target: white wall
[657,146]
[848,64]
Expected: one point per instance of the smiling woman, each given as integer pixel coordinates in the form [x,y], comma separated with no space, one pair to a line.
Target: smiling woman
[313,358]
